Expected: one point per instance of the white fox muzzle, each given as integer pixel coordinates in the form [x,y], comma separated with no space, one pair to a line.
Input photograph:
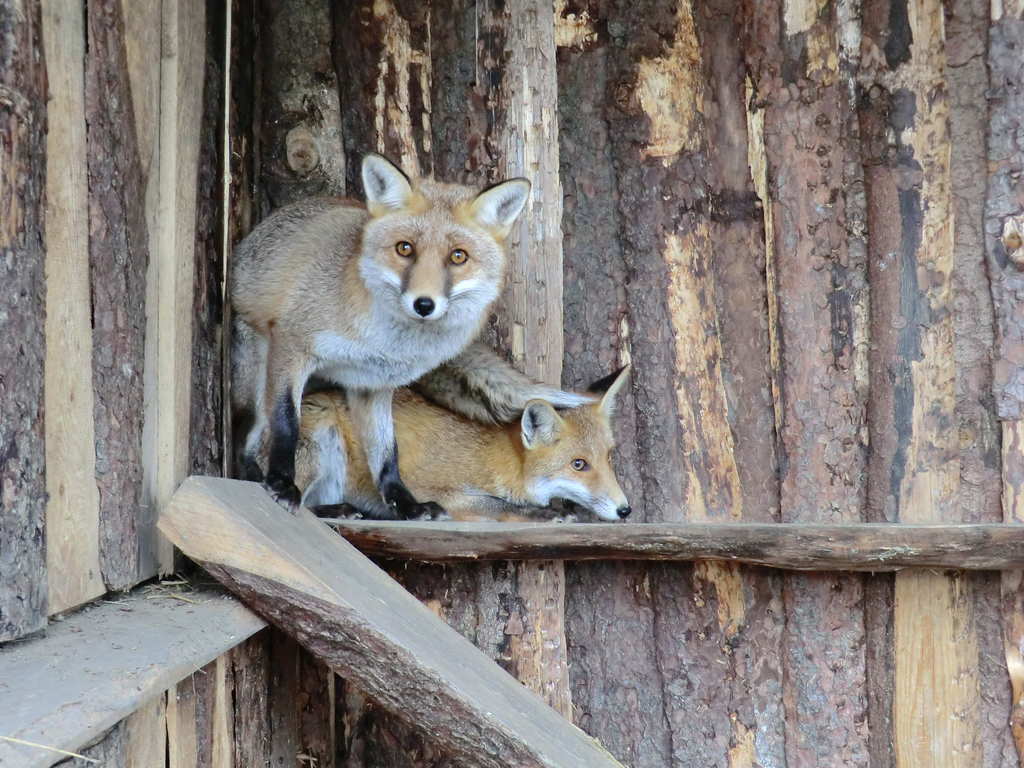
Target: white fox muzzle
[424,307]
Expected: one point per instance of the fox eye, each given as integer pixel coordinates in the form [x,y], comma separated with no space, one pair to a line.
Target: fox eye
[404,248]
[458,256]
[580,465]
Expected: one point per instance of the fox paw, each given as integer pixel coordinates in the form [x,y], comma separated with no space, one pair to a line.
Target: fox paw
[284,492]
[429,510]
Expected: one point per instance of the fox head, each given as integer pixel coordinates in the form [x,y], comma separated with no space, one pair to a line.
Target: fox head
[569,453]
[436,251]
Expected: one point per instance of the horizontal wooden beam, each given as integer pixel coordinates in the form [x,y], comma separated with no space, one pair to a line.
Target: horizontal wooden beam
[94,668]
[352,616]
[856,547]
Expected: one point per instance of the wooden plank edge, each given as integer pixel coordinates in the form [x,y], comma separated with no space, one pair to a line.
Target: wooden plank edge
[868,547]
[353,617]
[98,666]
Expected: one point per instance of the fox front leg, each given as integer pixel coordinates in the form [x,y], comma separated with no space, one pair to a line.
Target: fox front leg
[284,394]
[371,413]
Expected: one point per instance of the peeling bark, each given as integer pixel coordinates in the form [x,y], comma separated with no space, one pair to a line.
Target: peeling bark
[23,594]
[801,62]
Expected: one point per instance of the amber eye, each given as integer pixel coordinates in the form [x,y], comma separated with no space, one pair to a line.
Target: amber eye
[580,465]
[404,249]
[458,256]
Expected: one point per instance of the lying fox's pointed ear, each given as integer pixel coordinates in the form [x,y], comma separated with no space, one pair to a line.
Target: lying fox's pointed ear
[497,208]
[385,186]
[540,424]
[608,387]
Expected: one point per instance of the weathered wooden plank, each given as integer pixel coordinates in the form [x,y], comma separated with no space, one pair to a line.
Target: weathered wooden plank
[801,64]
[871,547]
[118,255]
[376,634]
[183,52]
[609,613]
[914,470]
[22,326]
[978,494]
[72,513]
[207,417]
[110,660]
[250,672]
[146,734]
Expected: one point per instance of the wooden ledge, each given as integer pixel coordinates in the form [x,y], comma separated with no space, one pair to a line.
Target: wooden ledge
[95,667]
[854,547]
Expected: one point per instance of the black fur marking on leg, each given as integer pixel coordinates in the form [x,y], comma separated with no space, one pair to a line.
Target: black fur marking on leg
[399,498]
[284,437]
[249,469]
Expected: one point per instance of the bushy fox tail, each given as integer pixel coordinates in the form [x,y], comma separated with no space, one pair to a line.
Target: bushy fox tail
[479,384]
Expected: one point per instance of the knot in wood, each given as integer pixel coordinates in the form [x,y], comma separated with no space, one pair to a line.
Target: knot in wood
[1013,239]
[301,151]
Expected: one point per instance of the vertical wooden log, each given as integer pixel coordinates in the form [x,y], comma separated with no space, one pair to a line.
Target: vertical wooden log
[980,487]
[300,128]
[1004,248]
[609,607]
[206,441]
[914,472]
[250,673]
[119,253]
[183,46]
[800,61]
[300,705]
[201,719]
[23,593]
[72,513]
[146,735]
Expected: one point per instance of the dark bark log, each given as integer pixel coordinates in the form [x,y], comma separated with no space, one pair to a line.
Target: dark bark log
[609,610]
[980,487]
[250,669]
[206,439]
[118,256]
[802,70]
[300,122]
[111,751]
[23,593]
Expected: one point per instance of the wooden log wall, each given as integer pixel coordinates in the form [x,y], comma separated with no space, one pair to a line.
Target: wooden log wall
[118,205]
[801,221]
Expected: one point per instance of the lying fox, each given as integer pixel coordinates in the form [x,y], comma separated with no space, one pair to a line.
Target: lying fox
[370,298]
[475,470]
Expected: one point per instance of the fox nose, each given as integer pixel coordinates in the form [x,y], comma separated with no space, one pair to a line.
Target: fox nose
[624,512]
[423,305]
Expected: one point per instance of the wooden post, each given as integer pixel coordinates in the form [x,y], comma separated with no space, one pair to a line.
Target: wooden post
[23,591]
[356,619]
[181,99]
[914,471]
[1004,247]
[72,513]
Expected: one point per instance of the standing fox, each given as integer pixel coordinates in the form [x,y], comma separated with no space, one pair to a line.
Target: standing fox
[473,469]
[371,298]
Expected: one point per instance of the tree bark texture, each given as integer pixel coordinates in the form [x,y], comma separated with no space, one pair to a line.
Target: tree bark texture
[23,593]
[799,220]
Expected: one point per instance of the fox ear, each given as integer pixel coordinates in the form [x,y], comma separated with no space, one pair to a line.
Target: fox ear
[385,186]
[497,208]
[609,387]
[540,424]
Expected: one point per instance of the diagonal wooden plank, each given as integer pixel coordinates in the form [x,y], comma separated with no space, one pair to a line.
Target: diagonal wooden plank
[351,615]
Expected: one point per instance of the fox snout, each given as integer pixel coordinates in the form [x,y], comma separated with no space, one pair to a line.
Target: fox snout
[424,306]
